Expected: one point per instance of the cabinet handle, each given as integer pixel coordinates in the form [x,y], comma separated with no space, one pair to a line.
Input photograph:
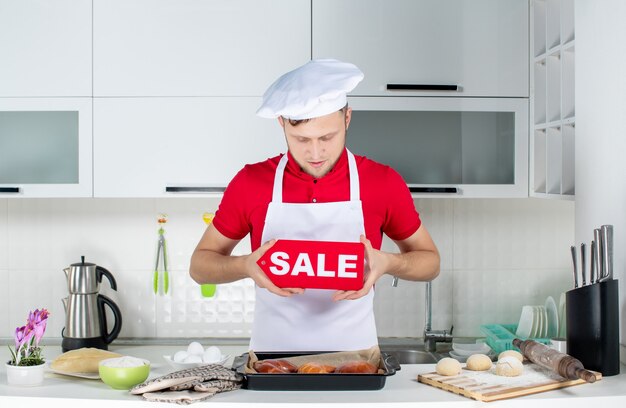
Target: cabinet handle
[421,87]
[174,189]
[433,190]
[9,189]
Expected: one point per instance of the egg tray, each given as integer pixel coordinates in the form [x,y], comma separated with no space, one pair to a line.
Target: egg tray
[313,382]
[500,337]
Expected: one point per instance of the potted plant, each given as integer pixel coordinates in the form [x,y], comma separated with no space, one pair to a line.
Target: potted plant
[27,364]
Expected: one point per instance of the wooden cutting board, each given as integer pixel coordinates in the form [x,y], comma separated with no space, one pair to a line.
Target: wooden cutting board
[487,386]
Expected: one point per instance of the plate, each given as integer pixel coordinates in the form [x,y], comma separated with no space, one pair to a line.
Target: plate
[88,376]
[525,326]
[553,318]
[463,358]
[467,349]
[182,366]
[562,317]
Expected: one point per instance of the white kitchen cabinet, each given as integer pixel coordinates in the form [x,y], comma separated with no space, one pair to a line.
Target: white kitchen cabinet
[146,146]
[553,117]
[45,147]
[446,147]
[45,48]
[480,46]
[197,47]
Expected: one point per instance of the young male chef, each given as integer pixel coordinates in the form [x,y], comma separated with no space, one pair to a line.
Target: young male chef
[317,191]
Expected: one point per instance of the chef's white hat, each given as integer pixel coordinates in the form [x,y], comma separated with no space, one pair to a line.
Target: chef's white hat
[315,89]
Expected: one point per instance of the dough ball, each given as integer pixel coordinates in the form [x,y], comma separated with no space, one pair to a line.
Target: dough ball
[511,353]
[509,367]
[478,362]
[448,366]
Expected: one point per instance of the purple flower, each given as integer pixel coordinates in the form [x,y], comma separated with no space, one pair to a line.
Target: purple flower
[38,320]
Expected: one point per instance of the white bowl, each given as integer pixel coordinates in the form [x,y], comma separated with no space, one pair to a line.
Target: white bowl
[182,366]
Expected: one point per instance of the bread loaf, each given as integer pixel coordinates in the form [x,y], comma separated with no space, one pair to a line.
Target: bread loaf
[272,366]
[315,368]
[357,367]
[83,360]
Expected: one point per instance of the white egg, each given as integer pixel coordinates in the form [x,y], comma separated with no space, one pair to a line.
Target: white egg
[193,358]
[212,355]
[195,348]
[180,356]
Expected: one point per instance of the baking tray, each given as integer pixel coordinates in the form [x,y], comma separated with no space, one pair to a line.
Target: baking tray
[313,382]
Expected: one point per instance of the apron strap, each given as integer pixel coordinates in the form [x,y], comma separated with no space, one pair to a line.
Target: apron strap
[354,178]
[277,193]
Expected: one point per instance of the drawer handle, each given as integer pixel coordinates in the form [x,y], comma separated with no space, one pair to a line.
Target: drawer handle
[453,190]
[174,189]
[9,189]
[421,87]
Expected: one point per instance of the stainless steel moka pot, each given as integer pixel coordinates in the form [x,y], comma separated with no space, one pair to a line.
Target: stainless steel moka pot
[85,317]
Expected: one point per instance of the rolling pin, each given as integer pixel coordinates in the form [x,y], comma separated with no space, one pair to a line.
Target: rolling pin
[562,364]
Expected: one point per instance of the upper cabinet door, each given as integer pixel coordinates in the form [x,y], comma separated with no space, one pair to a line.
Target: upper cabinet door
[197,47]
[157,147]
[45,48]
[45,147]
[480,46]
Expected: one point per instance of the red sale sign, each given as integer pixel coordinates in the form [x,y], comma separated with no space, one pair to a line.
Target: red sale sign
[314,264]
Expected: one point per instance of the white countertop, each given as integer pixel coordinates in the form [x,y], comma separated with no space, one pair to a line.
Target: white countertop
[401,389]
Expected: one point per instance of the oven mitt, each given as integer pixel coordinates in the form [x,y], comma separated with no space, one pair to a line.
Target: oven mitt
[188,378]
[178,397]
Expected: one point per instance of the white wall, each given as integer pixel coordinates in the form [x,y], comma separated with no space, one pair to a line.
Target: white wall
[497,255]
[600,127]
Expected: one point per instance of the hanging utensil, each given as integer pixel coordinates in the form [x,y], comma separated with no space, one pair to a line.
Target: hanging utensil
[592,263]
[161,253]
[208,289]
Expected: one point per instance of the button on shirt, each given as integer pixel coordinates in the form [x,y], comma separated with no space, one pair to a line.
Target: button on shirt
[387,203]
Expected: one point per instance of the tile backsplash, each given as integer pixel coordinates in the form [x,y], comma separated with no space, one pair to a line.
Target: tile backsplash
[496,255]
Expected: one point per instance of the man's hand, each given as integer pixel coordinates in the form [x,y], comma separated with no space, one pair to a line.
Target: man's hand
[260,278]
[376,263]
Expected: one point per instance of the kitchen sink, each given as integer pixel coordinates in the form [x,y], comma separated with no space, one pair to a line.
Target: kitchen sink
[413,355]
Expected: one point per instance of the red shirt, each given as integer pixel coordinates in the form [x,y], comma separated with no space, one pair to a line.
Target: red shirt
[387,203]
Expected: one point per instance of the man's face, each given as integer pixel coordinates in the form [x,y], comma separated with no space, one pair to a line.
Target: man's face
[316,145]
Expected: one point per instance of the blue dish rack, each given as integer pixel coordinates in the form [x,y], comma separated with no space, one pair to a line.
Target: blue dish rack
[500,337]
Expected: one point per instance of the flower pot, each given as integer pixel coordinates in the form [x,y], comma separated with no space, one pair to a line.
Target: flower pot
[25,375]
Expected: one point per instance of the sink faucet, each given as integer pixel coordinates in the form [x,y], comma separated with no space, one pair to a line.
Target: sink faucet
[431,337]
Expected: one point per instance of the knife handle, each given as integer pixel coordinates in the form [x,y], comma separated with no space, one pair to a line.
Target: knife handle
[597,237]
[592,263]
[583,263]
[607,251]
[573,250]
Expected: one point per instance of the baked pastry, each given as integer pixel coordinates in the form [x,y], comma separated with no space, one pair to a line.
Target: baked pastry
[315,368]
[273,366]
[357,367]
[82,360]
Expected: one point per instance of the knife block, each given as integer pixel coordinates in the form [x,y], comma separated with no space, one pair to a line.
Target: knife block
[592,314]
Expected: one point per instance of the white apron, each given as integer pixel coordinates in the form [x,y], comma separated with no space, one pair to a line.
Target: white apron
[313,321]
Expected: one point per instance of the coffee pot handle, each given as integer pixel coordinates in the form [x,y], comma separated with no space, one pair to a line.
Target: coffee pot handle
[100,271]
[117,326]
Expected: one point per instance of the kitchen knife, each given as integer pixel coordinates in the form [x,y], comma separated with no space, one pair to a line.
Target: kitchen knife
[606,231]
[573,249]
[597,238]
[583,263]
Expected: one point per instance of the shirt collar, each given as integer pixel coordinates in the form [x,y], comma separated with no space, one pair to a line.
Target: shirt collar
[294,168]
